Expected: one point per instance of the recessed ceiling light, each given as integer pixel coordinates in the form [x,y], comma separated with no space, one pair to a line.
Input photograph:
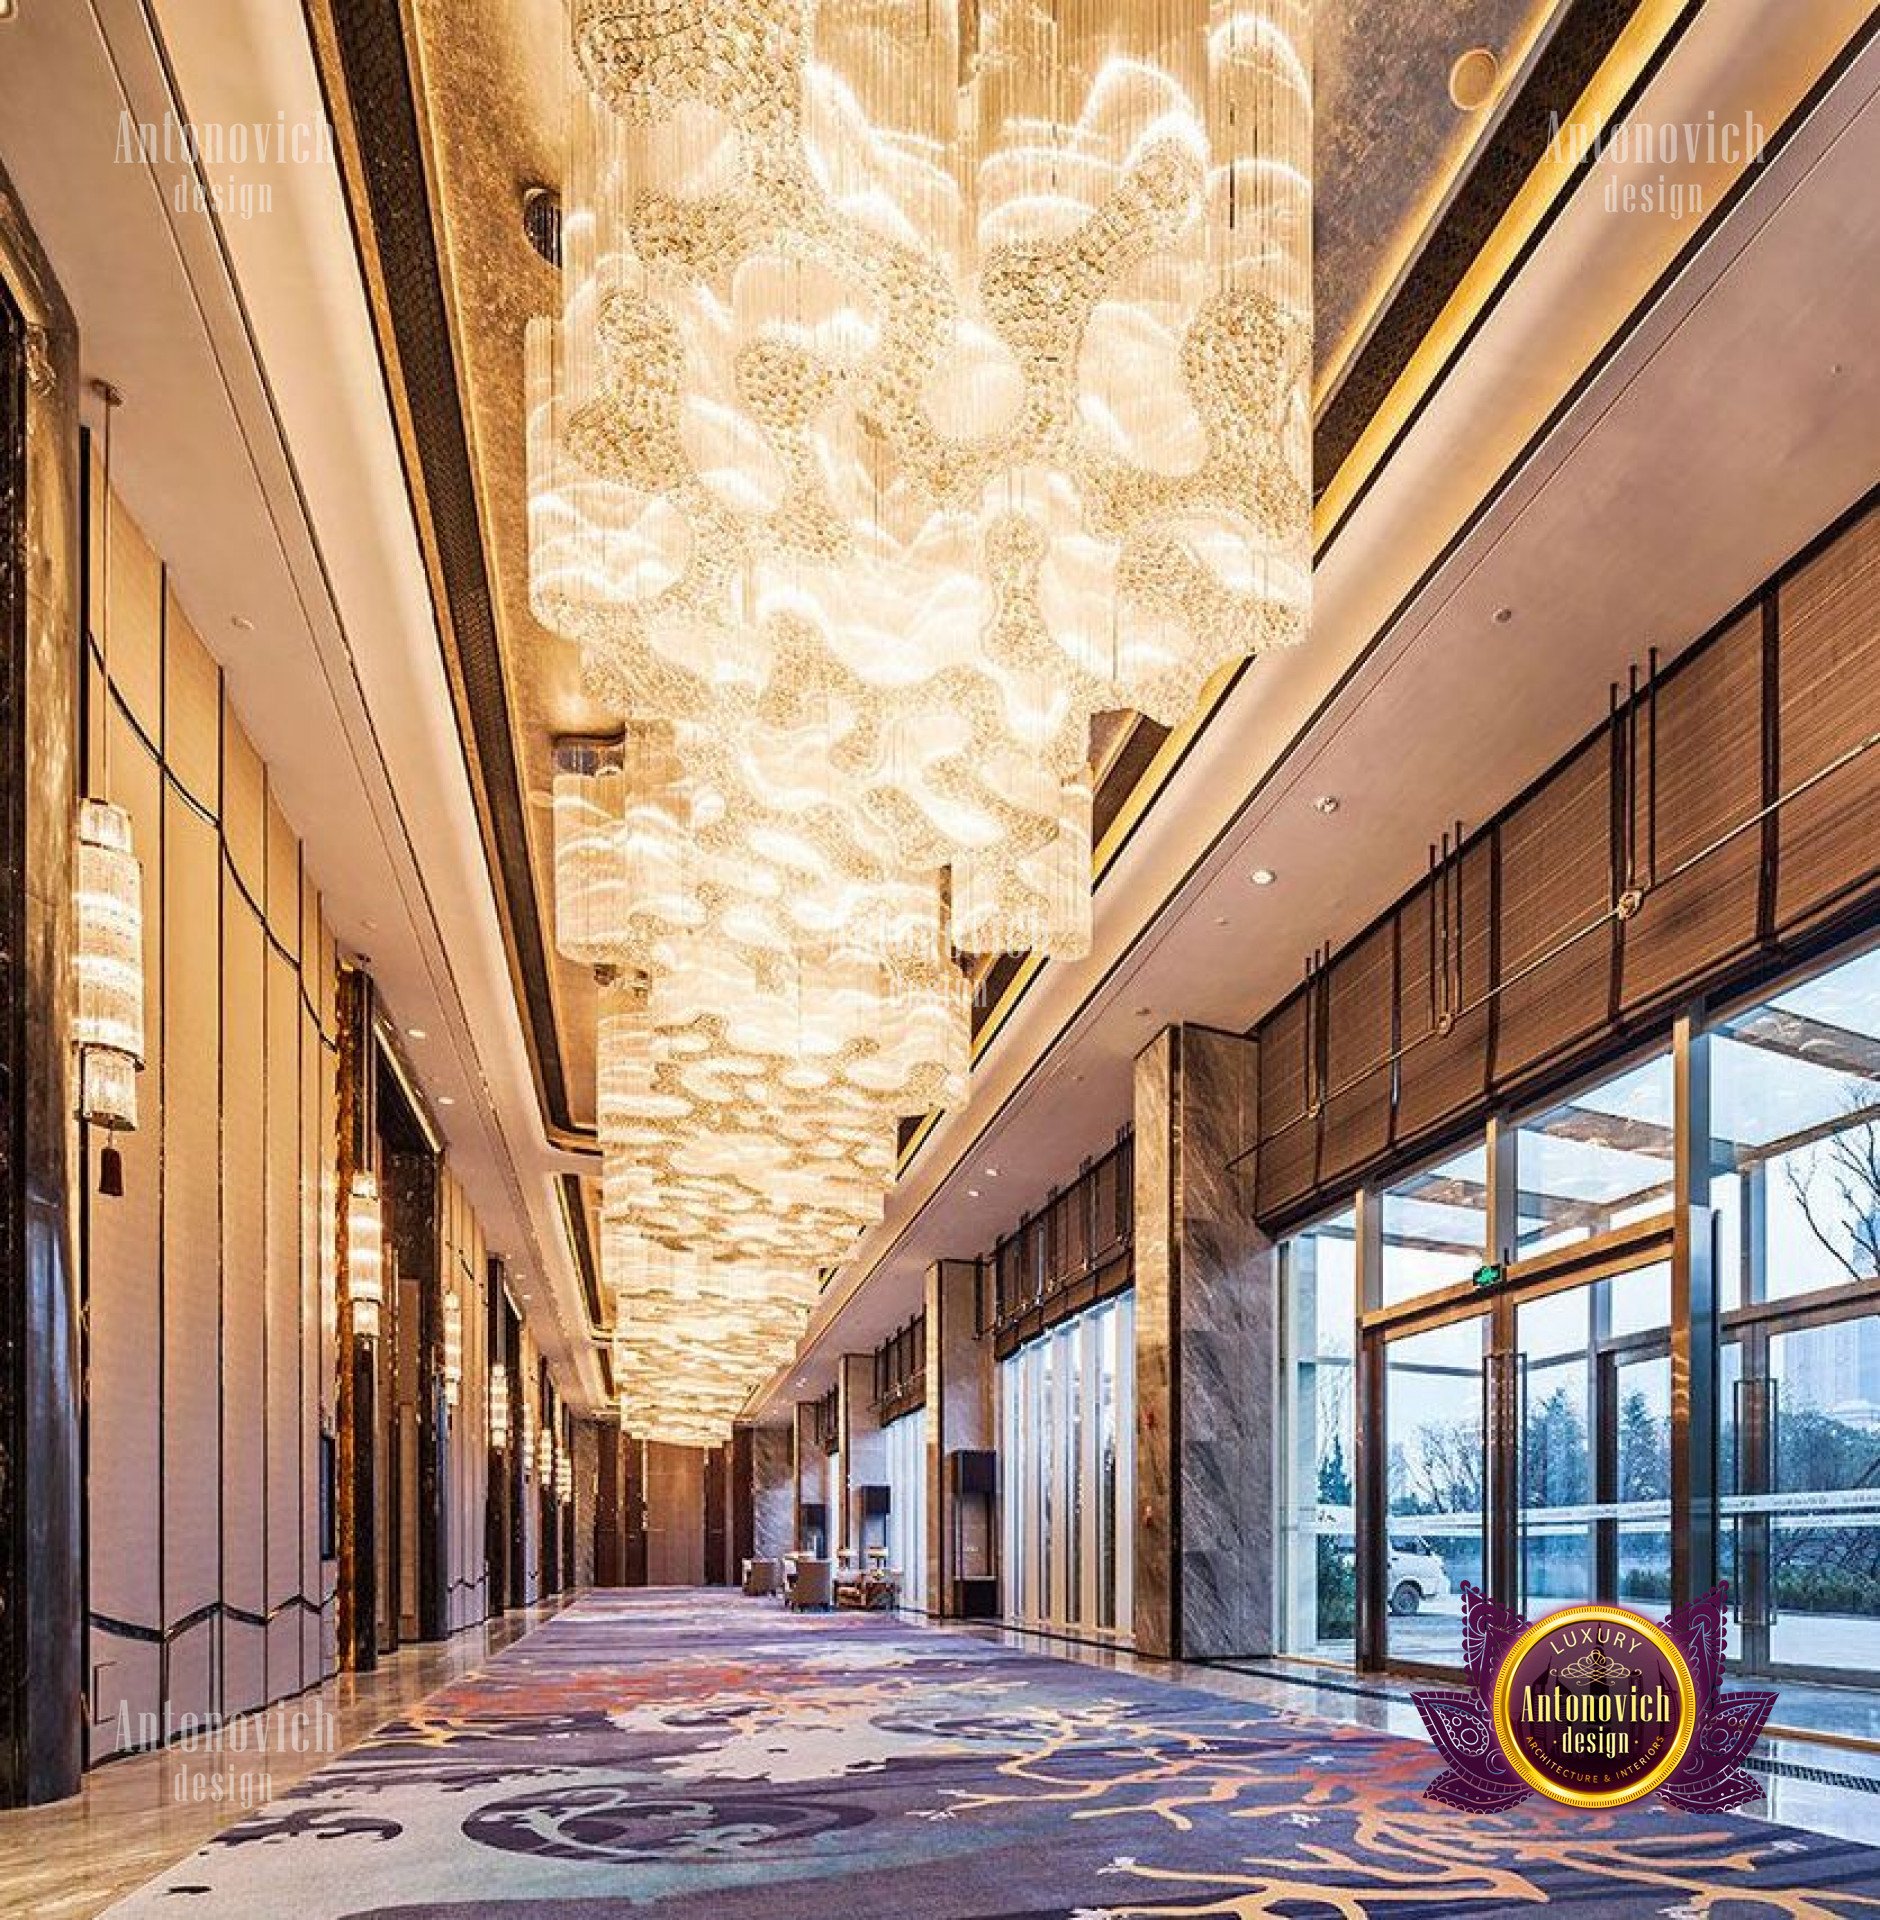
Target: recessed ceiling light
[972,1193]
[444,1100]
[992,1173]
[416,1033]
[1326,803]
[1503,615]
[1473,79]
[1142,1013]
[1263,876]
[239,621]
[1220,919]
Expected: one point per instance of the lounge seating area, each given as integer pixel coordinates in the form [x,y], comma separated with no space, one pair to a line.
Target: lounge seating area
[810,1584]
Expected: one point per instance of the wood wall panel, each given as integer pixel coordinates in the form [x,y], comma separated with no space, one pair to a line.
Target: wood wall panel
[136,622]
[675,1515]
[124,1432]
[192,1266]
[244,1281]
[192,711]
[281,1317]
[212,1345]
[284,889]
[244,807]
[314,1415]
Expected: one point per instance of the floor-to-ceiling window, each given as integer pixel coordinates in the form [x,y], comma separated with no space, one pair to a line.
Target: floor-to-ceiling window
[1480,1349]
[1795,1130]
[906,1440]
[1067,1411]
[1318,1323]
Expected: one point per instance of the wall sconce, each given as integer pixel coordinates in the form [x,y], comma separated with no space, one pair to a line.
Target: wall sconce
[453,1346]
[499,1405]
[365,1254]
[564,1478]
[110,1024]
[545,1456]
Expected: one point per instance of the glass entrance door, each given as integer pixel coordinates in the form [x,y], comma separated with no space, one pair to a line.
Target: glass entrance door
[1435,1468]
[1800,1490]
[1593,1471]
[1527,1450]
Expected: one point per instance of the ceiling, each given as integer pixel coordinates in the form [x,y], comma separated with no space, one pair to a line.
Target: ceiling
[325,436]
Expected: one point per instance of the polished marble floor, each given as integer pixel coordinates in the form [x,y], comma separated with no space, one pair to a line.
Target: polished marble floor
[131,1821]
[136,1816]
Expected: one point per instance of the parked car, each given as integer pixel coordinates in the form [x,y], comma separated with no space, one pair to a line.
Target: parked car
[1413,1574]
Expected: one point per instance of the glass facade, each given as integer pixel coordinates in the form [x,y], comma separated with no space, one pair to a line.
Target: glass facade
[1522,1436]
[1795,1128]
[906,1440]
[1067,1471]
[1318,1324]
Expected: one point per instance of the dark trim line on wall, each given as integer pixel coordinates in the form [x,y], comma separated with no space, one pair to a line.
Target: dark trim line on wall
[402,240]
[308,1023]
[574,1215]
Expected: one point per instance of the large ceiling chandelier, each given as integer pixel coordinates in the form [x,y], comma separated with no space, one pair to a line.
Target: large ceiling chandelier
[928,379]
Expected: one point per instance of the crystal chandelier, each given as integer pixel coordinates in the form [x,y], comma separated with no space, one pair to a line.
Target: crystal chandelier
[453,1344]
[927,380]
[110,964]
[365,1255]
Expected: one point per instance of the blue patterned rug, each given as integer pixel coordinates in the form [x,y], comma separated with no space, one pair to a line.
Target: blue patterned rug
[699,1755]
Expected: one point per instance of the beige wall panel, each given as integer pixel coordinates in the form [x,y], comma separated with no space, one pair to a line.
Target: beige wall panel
[192,1181]
[312,1210]
[286,1420]
[192,1667]
[675,1516]
[135,612]
[284,882]
[244,1413]
[326,998]
[244,807]
[123,1307]
[329,1339]
[310,937]
[192,710]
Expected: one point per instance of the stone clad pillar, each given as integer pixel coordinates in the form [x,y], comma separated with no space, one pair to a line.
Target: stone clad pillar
[809,1476]
[773,1492]
[42,1576]
[864,1450]
[960,1403]
[1206,1325]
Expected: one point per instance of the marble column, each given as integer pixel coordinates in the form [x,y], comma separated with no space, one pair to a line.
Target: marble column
[864,1450]
[1205,1331]
[809,1478]
[773,1492]
[959,1367]
[42,1600]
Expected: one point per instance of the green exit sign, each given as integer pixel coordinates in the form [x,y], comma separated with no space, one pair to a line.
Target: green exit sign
[1490,1274]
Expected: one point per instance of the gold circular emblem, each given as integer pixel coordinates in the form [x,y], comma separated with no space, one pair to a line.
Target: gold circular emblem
[1613,1646]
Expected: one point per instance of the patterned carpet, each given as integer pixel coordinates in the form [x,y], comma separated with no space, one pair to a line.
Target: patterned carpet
[671,1754]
